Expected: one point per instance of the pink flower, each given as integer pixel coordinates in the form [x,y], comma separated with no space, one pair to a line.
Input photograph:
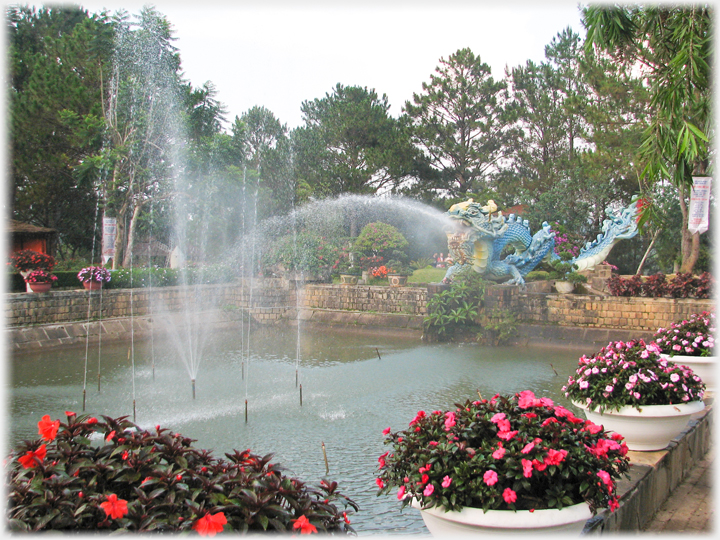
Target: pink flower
[380,483]
[555,457]
[497,417]
[527,399]
[528,447]
[386,431]
[527,466]
[605,477]
[507,435]
[449,420]
[446,482]
[401,493]
[509,495]
[490,477]
[428,490]
[499,453]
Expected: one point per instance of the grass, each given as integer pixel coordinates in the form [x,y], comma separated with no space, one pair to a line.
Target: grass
[427,275]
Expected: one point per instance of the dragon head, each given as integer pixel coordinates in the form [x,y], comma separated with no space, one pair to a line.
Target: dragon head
[478,218]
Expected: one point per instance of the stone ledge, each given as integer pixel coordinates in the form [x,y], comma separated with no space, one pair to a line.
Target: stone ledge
[654,476]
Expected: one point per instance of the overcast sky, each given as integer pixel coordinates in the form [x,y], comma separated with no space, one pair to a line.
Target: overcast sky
[278,54]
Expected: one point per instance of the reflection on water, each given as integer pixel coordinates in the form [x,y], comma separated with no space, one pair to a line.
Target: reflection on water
[349,395]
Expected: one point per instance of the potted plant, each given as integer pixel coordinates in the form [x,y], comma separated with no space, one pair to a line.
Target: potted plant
[93,277]
[511,462]
[564,274]
[40,281]
[629,388]
[27,260]
[349,272]
[691,342]
[398,273]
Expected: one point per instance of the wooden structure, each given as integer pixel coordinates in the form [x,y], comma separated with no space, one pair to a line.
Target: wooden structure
[27,236]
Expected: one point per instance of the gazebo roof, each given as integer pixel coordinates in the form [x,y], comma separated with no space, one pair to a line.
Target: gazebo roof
[18,227]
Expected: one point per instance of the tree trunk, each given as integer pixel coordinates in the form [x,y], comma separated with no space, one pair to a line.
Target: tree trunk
[690,246]
[127,260]
[647,252]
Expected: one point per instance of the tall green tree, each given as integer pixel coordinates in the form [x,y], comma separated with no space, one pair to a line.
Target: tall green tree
[671,48]
[56,61]
[461,123]
[350,144]
[142,114]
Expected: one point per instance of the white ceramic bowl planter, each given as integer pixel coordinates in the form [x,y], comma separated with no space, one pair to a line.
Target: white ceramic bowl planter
[569,520]
[702,366]
[650,428]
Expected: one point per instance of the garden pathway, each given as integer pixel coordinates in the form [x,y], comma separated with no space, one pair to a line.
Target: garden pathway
[690,508]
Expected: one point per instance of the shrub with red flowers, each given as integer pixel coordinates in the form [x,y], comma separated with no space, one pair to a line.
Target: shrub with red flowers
[379,272]
[682,285]
[631,374]
[514,452]
[108,474]
[40,276]
[27,259]
[694,336]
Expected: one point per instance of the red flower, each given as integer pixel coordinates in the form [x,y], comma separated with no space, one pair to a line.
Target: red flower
[114,507]
[210,524]
[110,436]
[304,525]
[28,460]
[47,428]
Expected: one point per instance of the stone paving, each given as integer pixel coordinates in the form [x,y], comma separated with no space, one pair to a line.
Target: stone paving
[690,508]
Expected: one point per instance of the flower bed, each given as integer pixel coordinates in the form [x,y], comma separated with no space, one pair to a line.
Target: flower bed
[90,474]
[657,286]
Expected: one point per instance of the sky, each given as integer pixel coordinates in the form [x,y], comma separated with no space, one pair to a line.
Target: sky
[277,54]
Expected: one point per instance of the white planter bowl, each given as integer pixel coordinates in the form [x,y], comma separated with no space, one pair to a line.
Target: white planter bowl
[650,428]
[564,287]
[569,520]
[702,366]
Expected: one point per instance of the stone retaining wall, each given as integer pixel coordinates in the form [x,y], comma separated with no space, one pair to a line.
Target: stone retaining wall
[406,300]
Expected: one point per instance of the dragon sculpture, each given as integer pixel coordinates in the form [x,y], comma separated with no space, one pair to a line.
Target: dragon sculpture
[482,233]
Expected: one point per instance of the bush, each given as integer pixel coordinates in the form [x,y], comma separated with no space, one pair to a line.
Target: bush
[655,286]
[110,475]
[382,240]
[683,285]
[620,286]
[457,307]
[537,275]
[304,252]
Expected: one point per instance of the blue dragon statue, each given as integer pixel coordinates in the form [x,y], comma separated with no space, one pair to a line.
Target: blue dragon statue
[482,233]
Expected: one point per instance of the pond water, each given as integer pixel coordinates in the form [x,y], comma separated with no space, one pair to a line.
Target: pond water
[353,386]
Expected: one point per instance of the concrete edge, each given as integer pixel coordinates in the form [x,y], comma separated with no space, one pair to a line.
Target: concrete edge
[653,478]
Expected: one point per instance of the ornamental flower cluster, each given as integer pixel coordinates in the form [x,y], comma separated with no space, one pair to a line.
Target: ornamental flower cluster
[27,259]
[514,452]
[40,276]
[379,272]
[631,374]
[94,273]
[691,337]
[107,474]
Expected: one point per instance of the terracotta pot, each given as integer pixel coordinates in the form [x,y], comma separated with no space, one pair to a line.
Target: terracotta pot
[652,427]
[40,287]
[92,285]
[473,521]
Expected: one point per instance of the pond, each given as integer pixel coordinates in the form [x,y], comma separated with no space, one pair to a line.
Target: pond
[354,385]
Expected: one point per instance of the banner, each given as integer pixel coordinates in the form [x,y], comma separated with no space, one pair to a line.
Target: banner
[108,238]
[699,204]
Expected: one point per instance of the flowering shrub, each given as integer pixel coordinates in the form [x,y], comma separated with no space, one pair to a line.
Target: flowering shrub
[379,272]
[303,252]
[94,273]
[90,474]
[683,285]
[380,239]
[692,337]
[631,374]
[27,259]
[509,453]
[40,276]
[564,242]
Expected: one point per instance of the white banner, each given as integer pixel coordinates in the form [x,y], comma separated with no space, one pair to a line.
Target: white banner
[699,204]
[108,238]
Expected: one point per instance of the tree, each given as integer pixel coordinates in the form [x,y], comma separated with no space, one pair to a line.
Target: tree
[349,144]
[461,123]
[56,61]
[142,121]
[671,48]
